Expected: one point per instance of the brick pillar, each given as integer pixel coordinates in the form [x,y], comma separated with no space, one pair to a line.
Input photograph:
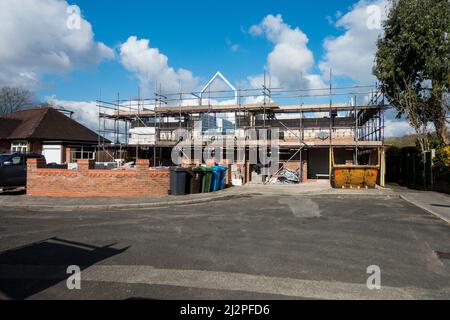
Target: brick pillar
[86,164]
[33,181]
[68,155]
[33,164]
[305,171]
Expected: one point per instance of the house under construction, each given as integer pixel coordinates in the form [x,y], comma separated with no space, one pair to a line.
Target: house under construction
[317,132]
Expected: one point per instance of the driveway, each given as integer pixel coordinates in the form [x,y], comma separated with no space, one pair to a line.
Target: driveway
[253,247]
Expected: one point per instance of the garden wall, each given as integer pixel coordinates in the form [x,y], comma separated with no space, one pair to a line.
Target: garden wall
[88,182]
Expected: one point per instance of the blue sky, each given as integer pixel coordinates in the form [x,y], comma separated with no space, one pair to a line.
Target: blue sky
[193,34]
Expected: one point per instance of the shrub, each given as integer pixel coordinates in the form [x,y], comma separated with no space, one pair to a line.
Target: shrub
[442,163]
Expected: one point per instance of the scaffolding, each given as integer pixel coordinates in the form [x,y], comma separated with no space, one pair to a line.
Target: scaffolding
[352,118]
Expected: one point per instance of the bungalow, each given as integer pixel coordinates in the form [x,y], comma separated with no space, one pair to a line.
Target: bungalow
[49,132]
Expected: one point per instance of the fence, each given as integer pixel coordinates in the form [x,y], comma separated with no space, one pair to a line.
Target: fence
[413,169]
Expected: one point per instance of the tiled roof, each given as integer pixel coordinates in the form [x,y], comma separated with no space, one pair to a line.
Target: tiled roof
[44,124]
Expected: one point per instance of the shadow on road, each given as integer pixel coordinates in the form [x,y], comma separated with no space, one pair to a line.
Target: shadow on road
[31,269]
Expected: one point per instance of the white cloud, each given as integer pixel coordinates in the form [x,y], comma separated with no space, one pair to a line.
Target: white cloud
[35,40]
[150,66]
[85,112]
[397,128]
[352,54]
[290,62]
[258,81]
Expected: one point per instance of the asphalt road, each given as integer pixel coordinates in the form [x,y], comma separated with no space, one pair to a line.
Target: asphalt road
[258,247]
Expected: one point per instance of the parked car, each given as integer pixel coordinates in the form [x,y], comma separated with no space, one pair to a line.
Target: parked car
[13,169]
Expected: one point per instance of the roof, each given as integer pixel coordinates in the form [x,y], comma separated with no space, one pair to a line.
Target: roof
[7,126]
[44,124]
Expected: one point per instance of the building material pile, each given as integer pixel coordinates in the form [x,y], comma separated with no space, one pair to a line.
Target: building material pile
[286,176]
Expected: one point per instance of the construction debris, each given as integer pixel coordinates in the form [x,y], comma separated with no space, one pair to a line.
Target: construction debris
[286,176]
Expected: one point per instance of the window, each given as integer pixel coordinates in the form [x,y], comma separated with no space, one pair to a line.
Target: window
[16,161]
[81,154]
[19,146]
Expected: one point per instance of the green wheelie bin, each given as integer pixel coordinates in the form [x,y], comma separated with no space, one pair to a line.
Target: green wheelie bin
[206,178]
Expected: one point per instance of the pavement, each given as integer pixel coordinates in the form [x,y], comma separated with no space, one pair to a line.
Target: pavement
[22,201]
[435,203]
[254,244]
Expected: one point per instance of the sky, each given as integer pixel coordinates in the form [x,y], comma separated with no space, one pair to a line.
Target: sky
[74,52]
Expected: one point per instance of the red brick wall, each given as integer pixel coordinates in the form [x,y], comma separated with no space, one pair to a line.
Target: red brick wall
[292,165]
[88,182]
[35,146]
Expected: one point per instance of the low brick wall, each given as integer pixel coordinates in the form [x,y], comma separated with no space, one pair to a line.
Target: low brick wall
[88,182]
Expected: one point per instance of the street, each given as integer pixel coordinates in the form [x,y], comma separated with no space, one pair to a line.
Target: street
[253,247]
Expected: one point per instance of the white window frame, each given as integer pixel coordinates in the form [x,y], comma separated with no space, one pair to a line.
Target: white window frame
[19,146]
[81,155]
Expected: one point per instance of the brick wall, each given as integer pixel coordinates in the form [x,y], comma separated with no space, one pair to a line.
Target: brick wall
[88,182]
[292,165]
[35,146]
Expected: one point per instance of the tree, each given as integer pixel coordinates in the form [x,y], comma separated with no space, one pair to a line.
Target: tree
[413,64]
[13,99]
[437,64]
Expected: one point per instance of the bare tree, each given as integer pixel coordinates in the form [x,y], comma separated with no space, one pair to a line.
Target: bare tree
[13,99]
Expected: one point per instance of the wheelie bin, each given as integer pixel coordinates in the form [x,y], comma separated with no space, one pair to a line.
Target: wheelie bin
[222,175]
[206,178]
[178,178]
[194,181]
[215,183]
